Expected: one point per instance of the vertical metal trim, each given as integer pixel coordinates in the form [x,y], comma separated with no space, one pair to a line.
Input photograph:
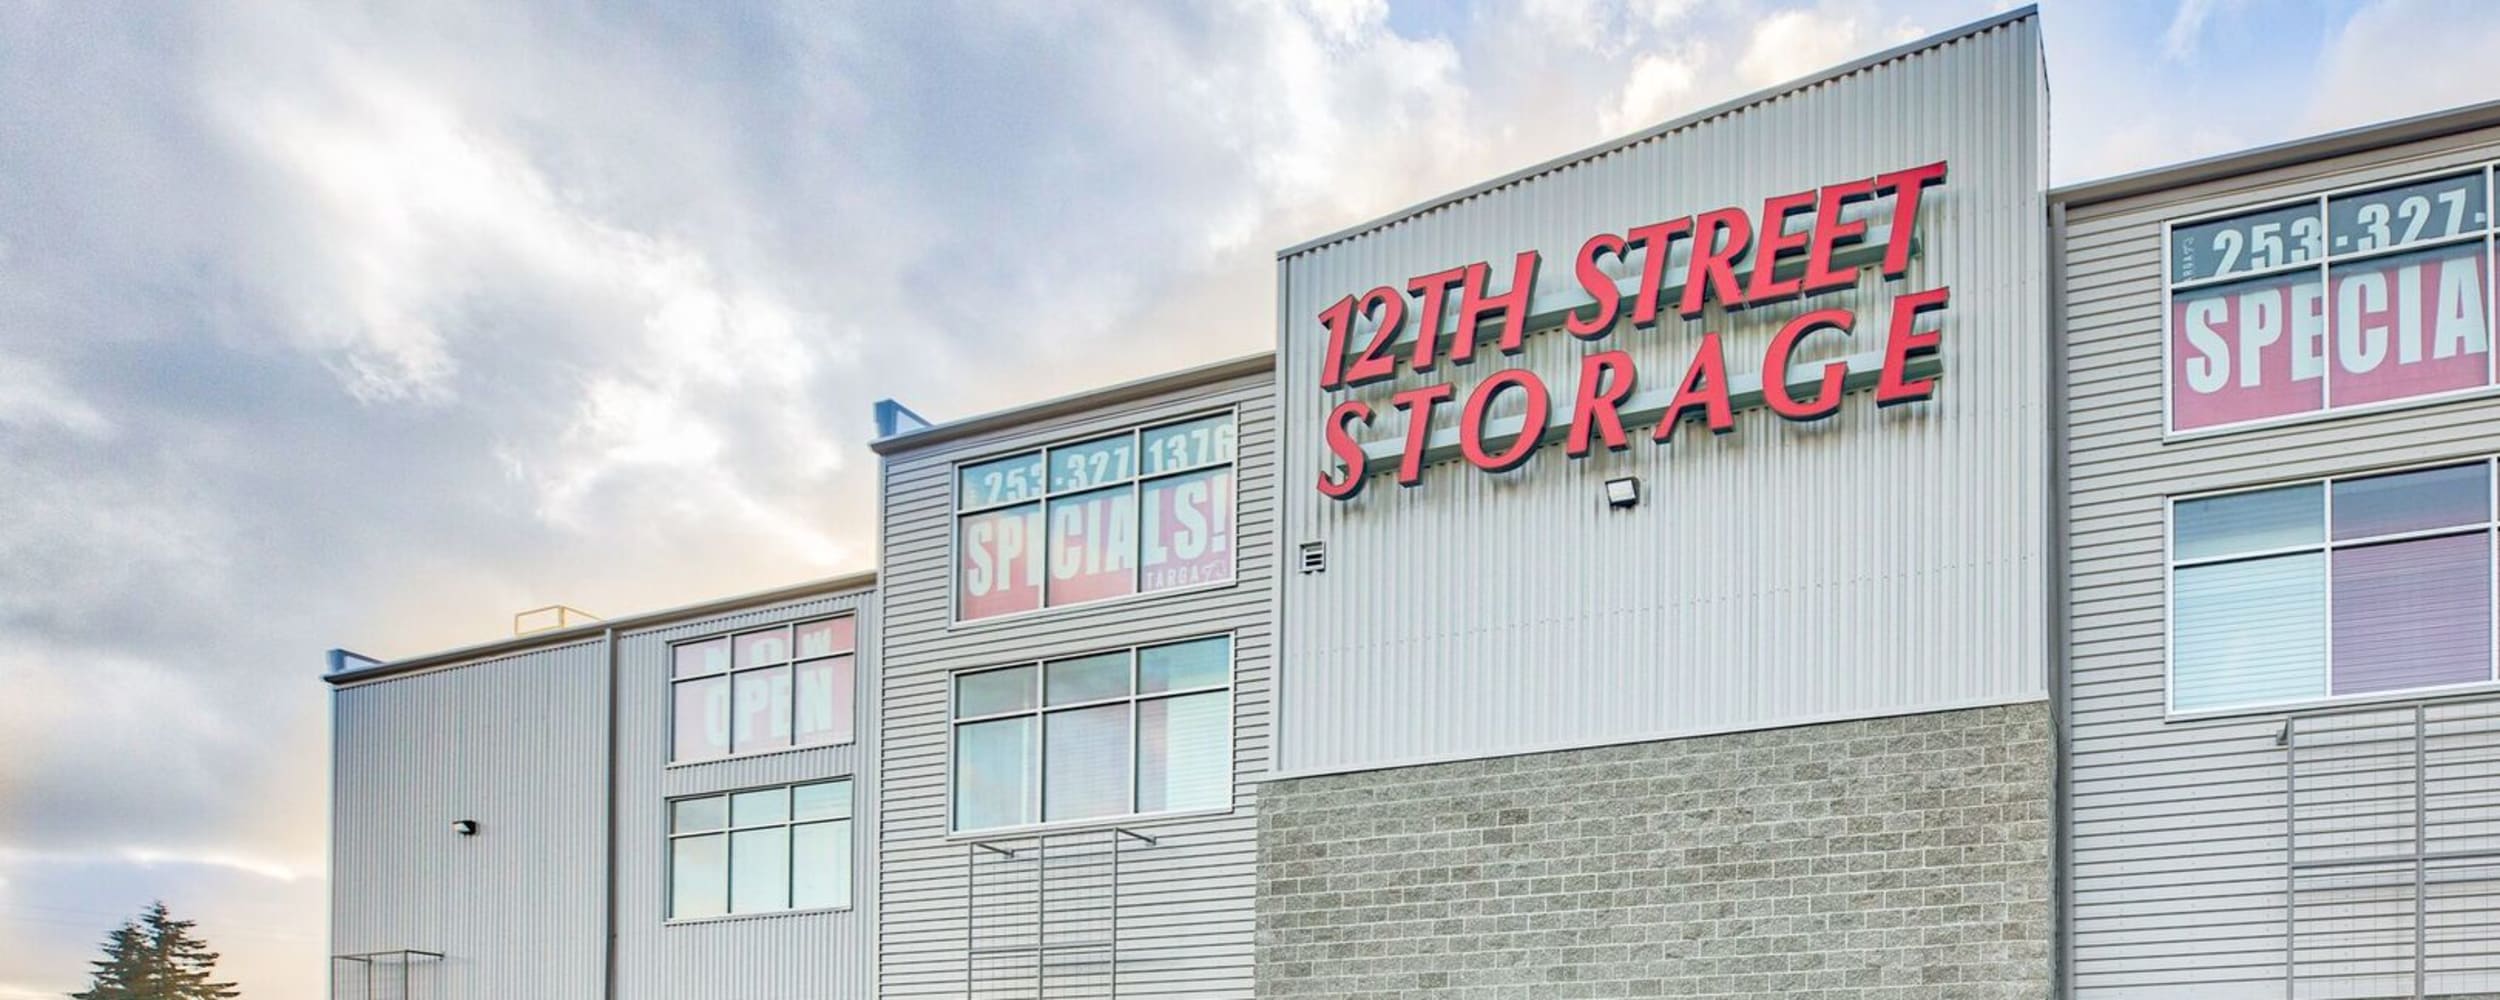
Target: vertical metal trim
[2059,635]
[1280,519]
[609,776]
[2421,861]
[2291,853]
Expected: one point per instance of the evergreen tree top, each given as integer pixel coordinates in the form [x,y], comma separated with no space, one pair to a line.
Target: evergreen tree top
[155,957]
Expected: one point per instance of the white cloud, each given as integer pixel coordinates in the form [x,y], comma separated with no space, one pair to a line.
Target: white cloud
[1660,83]
[2187,26]
[33,397]
[2405,57]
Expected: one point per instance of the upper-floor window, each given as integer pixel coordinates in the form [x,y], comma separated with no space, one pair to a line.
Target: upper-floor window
[2354,586]
[2346,299]
[1121,733]
[781,848]
[770,689]
[1143,510]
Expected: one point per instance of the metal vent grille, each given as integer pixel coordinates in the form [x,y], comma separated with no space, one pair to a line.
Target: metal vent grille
[1314,557]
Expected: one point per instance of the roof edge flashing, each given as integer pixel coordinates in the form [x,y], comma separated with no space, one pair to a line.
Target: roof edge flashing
[644,622]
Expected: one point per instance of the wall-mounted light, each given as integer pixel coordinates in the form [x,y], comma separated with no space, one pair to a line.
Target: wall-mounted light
[464,827]
[1624,492]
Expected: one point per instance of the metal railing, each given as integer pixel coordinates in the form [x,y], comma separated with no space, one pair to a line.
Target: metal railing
[379,975]
[1042,915]
[2392,836]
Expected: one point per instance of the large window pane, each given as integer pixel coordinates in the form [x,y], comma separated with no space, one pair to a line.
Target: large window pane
[1185,665]
[2410,213]
[994,773]
[756,649]
[698,876]
[759,870]
[1094,463]
[825,638]
[820,855]
[2412,501]
[824,701]
[698,815]
[2413,614]
[1087,760]
[695,659]
[761,716]
[2248,522]
[2248,350]
[1005,480]
[2248,632]
[1093,546]
[1087,678]
[823,800]
[998,562]
[990,692]
[1173,447]
[1185,753]
[770,805]
[701,718]
[1187,539]
[2409,325]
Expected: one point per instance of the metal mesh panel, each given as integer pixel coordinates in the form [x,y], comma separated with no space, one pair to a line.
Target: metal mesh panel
[382,975]
[1042,917]
[2393,885]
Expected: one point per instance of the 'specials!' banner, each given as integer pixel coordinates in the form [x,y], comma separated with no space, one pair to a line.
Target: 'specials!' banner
[2346,300]
[1164,533]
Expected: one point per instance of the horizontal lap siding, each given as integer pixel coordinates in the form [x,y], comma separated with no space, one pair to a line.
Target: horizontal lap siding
[2177,846]
[1186,906]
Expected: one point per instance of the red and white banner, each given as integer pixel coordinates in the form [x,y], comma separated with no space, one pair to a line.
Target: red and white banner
[2392,328]
[1189,530]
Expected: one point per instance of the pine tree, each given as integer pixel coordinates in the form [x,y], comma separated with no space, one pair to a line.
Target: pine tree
[155,958]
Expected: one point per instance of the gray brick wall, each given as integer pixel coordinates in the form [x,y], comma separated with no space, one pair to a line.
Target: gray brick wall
[1894,858]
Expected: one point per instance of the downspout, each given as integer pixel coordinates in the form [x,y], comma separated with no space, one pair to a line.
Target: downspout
[2061,852]
[607,985]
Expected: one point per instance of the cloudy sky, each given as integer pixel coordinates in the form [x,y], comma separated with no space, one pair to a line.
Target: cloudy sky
[334,324]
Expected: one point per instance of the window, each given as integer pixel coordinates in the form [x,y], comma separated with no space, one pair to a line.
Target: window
[770,689]
[2354,586]
[2347,299]
[1140,511]
[786,848]
[1130,732]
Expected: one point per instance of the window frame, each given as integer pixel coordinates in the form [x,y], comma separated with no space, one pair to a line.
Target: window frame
[731,672]
[1136,482]
[2488,236]
[1038,742]
[788,824]
[2326,546]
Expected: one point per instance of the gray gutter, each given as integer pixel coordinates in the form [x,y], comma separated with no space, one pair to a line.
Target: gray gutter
[1601,149]
[1262,363]
[2363,139]
[597,629]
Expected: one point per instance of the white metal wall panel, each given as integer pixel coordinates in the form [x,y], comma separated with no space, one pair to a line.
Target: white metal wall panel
[517,744]
[1880,562]
[2177,833]
[787,956]
[1186,918]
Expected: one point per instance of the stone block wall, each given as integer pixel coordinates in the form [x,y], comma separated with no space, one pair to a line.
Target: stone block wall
[1905,857]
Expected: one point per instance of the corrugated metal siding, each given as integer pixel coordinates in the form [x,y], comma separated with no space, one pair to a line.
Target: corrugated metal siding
[1875,563]
[2177,841]
[794,956]
[517,744]
[1186,923]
